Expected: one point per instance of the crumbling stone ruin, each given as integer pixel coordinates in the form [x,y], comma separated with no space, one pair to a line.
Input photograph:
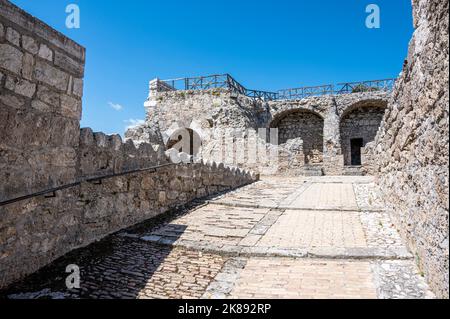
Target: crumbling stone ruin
[325,129]
[63,187]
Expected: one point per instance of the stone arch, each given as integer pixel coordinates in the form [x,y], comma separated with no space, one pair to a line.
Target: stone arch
[305,125]
[185,140]
[359,125]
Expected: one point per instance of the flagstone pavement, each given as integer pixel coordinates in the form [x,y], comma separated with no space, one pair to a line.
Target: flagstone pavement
[301,238]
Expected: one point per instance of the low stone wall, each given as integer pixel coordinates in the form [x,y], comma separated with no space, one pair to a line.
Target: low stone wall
[36,231]
[412,146]
[101,154]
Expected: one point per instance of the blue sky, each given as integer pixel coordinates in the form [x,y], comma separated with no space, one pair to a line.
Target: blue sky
[265,45]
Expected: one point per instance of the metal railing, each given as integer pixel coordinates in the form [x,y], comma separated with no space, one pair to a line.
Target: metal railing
[226,81]
[304,92]
[366,86]
[95,180]
[218,81]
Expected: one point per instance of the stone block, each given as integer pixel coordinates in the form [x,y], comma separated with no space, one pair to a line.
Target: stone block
[48,96]
[45,52]
[28,66]
[69,64]
[86,136]
[12,100]
[30,45]
[10,58]
[77,87]
[13,36]
[50,75]
[70,107]
[20,86]
[41,106]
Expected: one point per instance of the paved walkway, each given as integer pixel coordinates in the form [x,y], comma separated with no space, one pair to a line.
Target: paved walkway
[312,237]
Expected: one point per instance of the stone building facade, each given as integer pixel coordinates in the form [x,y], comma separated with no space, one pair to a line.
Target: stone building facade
[412,147]
[317,131]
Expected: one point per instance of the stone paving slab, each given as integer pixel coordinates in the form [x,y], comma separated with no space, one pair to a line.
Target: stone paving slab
[316,229]
[260,232]
[213,224]
[304,279]
[278,278]
[311,237]
[269,192]
[327,196]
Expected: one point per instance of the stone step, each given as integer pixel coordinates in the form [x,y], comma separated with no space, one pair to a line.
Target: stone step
[353,171]
[311,170]
[366,253]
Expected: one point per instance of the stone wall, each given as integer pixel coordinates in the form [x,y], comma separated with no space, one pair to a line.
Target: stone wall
[41,85]
[208,113]
[309,128]
[412,146]
[362,122]
[37,231]
[101,154]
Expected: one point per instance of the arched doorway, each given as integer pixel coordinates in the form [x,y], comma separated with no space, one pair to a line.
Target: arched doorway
[185,140]
[303,124]
[359,126]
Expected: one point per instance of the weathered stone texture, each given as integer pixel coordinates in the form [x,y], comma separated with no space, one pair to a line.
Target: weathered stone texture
[412,146]
[308,129]
[362,123]
[101,154]
[35,232]
[40,117]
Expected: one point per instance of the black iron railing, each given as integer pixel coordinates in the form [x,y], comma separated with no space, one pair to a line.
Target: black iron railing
[51,192]
[366,86]
[304,92]
[218,81]
[226,81]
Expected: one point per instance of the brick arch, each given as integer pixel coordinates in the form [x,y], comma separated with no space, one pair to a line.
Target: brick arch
[359,125]
[304,125]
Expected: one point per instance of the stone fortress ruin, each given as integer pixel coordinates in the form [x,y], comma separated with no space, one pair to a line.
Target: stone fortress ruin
[323,130]
[63,188]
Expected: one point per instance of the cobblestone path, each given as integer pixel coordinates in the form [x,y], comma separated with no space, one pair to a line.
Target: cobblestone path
[316,237]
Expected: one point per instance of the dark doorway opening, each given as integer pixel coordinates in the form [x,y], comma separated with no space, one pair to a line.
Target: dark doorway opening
[355,145]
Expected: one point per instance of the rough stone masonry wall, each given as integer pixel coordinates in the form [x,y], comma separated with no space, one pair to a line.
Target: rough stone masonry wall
[362,123]
[37,231]
[41,86]
[101,154]
[41,147]
[307,126]
[210,111]
[412,146]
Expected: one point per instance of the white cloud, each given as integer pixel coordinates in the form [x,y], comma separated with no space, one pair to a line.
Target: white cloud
[115,106]
[133,123]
